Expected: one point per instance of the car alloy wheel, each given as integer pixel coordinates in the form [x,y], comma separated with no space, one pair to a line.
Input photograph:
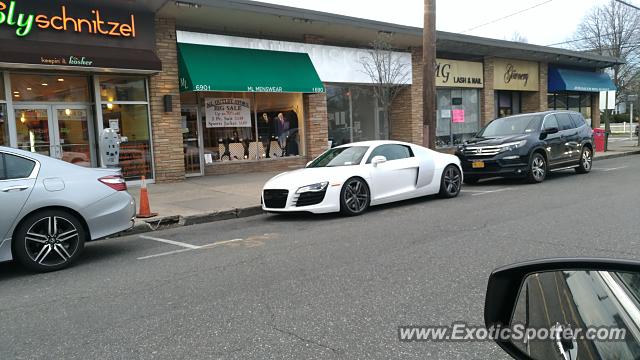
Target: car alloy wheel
[538,168]
[48,241]
[451,181]
[354,197]
[586,161]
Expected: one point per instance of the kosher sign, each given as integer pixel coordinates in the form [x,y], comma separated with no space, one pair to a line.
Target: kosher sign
[227,112]
[515,75]
[461,74]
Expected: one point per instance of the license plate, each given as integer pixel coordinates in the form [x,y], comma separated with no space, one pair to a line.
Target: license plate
[477,165]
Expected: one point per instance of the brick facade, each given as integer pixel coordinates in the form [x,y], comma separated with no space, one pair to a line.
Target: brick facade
[406,112]
[595,110]
[246,167]
[316,124]
[487,94]
[166,127]
[533,101]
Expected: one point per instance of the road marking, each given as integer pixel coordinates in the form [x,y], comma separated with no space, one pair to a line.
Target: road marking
[613,169]
[221,243]
[176,243]
[490,192]
[164,254]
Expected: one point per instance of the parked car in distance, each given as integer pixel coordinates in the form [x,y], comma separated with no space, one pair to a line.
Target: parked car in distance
[350,178]
[50,208]
[528,146]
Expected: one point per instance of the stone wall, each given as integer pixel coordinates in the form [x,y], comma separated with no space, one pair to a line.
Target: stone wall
[166,127]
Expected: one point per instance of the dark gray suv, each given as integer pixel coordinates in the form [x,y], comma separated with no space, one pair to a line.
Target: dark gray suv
[528,146]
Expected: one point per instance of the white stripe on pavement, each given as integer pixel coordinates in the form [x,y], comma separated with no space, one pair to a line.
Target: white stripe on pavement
[176,243]
[163,254]
[613,169]
[490,192]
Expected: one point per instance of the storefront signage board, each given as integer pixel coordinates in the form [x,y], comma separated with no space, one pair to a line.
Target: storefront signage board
[459,74]
[515,75]
[227,112]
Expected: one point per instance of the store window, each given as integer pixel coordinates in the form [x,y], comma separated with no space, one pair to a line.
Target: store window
[578,102]
[126,110]
[4,122]
[508,103]
[354,115]
[458,116]
[49,88]
[231,132]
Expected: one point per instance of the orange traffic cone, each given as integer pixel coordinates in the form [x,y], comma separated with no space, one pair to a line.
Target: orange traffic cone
[145,209]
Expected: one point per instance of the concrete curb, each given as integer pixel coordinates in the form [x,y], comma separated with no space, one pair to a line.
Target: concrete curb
[170,222]
[614,156]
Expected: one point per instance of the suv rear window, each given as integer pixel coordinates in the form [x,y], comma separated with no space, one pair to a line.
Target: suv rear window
[578,120]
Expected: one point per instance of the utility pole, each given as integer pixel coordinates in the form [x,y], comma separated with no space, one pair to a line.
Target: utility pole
[428,74]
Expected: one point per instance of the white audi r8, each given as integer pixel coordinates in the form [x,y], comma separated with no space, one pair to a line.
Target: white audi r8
[352,177]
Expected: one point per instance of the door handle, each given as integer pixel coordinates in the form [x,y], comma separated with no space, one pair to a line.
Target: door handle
[15,188]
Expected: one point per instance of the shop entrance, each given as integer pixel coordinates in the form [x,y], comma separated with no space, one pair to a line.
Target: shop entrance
[61,131]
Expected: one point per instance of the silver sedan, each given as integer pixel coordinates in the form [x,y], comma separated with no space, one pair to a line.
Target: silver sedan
[50,208]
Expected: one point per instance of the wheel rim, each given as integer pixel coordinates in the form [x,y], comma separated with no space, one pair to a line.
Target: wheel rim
[452,181]
[538,168]
[52,241]
[356,196]
[586,159]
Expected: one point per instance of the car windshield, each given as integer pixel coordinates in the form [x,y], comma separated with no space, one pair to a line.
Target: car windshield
[342,156]
[512,125]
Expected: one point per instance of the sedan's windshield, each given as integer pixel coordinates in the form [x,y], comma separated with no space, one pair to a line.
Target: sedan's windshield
[342,156]
[513,125]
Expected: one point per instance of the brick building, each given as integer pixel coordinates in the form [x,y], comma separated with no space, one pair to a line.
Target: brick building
[210,87]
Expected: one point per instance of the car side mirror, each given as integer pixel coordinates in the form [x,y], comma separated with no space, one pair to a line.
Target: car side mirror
[377,160]
[565,308]
[309,163]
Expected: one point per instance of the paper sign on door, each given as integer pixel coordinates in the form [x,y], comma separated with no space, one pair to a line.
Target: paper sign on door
[457,116]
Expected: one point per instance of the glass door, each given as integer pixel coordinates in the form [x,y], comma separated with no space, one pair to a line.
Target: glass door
[59,131]
[71,125]
[191,141]
[33,128]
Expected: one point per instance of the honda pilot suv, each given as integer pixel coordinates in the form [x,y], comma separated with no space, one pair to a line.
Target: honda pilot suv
[528,146]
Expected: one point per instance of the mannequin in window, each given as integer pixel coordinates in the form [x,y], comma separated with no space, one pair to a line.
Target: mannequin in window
[265,132]
[282,129]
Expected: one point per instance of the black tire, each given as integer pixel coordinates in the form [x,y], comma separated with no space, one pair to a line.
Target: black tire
[586,161]
[538,168]
[48,240]
[451,182]
[355,197]
[471,180]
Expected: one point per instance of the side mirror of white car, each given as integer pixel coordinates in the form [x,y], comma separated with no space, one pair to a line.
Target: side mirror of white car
[378,160]
[309,163]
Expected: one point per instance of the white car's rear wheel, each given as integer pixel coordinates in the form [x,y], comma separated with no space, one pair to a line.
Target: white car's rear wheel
[49,240]
[354,197]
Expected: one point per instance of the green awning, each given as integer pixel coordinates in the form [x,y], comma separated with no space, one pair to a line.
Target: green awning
[216,68]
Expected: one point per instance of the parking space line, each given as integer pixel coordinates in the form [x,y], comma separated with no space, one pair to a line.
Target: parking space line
[612,169]
[491,192]
[164,254]
[176,243]
[221,243]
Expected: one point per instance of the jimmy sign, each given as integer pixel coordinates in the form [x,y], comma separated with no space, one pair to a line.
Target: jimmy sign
[227,112]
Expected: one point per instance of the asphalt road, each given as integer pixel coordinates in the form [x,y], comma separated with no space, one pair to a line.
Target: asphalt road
[306,287]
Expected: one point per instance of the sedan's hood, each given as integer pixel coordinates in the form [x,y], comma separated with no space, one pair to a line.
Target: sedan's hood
[492,141]
[303,177]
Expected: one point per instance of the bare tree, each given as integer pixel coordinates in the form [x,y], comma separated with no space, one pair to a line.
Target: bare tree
[386,69]
[613,30]
[517,37]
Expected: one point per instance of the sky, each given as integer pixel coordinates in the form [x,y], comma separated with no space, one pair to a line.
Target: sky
[552,22]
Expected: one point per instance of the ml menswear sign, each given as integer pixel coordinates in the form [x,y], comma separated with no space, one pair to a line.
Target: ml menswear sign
[25,20]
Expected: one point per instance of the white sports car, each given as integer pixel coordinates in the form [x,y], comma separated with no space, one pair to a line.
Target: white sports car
[352,177]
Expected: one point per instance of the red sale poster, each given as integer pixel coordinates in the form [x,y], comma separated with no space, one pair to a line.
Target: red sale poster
[457,116]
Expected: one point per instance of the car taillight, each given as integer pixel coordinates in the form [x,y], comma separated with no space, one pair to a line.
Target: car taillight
[115,182]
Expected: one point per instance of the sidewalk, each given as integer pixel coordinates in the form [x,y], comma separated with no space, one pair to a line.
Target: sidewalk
[213,198]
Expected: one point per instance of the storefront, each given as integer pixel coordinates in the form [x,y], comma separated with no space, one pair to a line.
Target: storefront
[577,90]
[514,82]
[64,79]
[458,86]
[270,81]
[242,111]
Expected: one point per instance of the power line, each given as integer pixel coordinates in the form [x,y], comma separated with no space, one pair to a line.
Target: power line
[507,16]
[628,4]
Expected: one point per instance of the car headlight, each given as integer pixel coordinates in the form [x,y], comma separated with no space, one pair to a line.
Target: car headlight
[313,188]
[512,146]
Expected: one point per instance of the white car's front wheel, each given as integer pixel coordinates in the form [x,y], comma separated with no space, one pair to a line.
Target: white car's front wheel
[355,197]
[451,182]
